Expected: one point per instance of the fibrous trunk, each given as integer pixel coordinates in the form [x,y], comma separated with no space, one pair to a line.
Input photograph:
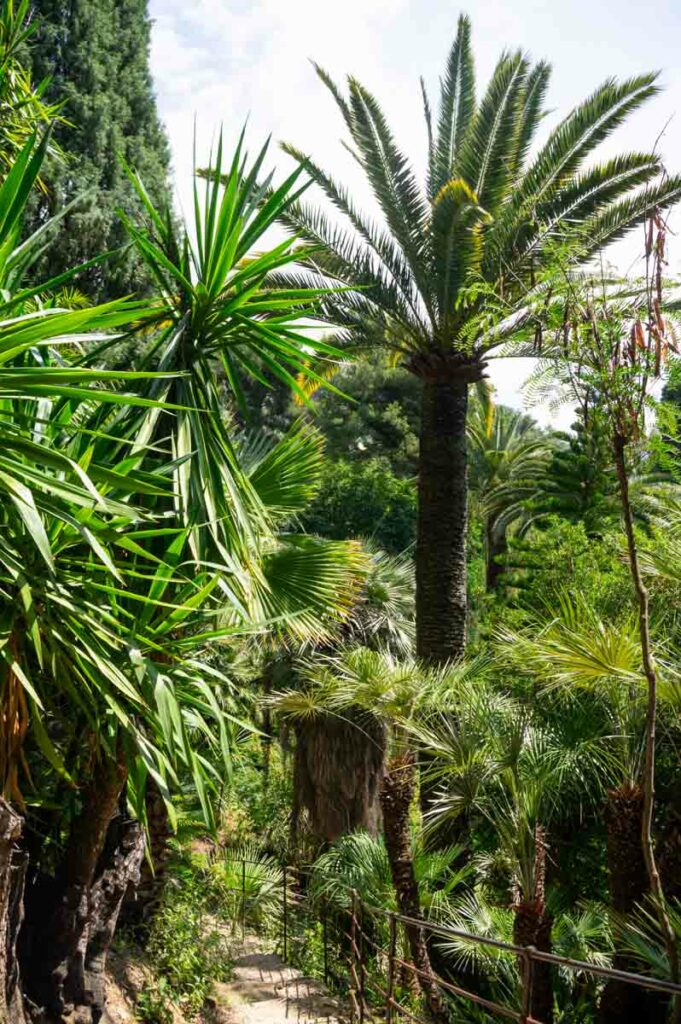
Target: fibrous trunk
[628,881]
[532,925]
[441,577]
[397,793]
[337,772]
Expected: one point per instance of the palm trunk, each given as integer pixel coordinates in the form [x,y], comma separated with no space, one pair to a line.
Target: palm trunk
[397,794]
[12,874]
[441,576]
[532,927]
[650,672]
[337,773]
[628,881]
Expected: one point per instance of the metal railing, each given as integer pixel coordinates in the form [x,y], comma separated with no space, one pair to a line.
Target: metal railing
[376,980]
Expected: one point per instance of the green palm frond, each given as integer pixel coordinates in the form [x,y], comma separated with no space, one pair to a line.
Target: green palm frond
[457,106]
[392,179]
[488,155]
[428,261]
[580,133]
[578,647]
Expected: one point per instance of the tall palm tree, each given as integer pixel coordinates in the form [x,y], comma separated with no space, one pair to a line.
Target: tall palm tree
[442,279]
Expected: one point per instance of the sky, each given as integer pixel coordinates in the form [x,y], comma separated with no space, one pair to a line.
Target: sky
[217,63]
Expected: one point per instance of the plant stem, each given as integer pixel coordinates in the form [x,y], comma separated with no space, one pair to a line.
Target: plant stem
[650,672]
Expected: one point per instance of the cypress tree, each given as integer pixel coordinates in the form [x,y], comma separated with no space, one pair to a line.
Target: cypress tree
[96,54]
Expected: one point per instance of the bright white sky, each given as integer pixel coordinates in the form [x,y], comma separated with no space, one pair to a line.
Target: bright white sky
[220,61]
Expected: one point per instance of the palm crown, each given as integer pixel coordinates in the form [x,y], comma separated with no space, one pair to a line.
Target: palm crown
[491,210]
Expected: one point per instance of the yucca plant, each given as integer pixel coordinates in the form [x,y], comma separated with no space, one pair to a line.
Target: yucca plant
[444,278]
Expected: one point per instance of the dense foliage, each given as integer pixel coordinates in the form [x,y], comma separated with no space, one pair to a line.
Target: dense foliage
[230,684]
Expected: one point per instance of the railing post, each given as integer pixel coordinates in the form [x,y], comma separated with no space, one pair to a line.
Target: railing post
[357,1011]
[243,900]
[391,969]
[285,917]
[325,935]
[526,984]
[362,966]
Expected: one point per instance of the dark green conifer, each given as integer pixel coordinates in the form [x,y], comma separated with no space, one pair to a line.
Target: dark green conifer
[96,53]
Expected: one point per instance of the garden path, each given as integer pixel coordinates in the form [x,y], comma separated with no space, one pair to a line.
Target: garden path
[265,990]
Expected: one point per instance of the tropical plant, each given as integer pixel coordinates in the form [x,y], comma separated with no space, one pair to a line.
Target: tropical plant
[250,885]
[112,596]
[516,774]
[575,655]
[360,861]
[508,457]
[443,282]
[620,338]
[374,691]
[24,108]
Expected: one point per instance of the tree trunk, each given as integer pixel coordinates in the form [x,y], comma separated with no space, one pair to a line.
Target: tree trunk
[58,971]
[397,793]
[496,549]
[337,773]
[628,881]
[532,927]
[143,902]
[119,872]
[441,573]
[12,874]
[650,672]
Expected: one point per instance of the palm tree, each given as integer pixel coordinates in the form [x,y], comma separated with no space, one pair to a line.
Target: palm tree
[337,765]
[442,281]
[495,759]
[370,689]
[578,653]
[508,457]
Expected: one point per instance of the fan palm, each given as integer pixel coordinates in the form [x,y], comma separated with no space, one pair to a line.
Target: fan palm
[576,655]
[441,281]
[371,689]
[498,761]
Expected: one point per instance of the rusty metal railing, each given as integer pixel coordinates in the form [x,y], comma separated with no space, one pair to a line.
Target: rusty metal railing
[368,978]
